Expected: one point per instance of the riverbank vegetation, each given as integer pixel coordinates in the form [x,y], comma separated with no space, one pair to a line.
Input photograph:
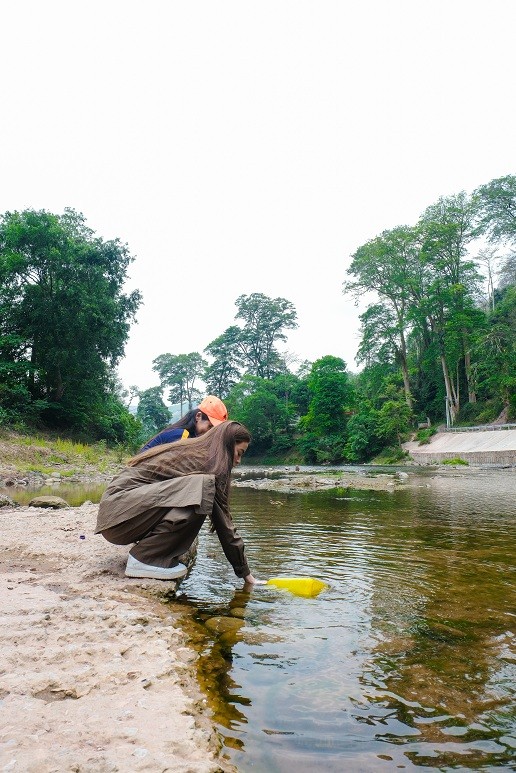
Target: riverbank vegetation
[48,454]
[437,340]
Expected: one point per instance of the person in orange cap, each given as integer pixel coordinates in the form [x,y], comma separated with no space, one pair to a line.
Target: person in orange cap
[209,413]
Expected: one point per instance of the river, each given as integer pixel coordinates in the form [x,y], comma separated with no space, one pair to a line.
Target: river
[406,660]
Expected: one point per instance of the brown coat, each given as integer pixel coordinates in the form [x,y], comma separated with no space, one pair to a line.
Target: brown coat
[171,481]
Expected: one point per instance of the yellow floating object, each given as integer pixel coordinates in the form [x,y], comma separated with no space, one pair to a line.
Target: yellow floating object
[299,586]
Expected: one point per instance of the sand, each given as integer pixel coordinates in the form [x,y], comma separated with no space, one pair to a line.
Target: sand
[95,674]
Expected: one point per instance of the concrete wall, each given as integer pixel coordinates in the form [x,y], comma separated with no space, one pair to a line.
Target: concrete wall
[481,447]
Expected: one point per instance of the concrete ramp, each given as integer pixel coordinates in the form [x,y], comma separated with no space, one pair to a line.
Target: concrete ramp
[478,447]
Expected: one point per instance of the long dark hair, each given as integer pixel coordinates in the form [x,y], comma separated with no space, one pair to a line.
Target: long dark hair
[185,422]
[214,451]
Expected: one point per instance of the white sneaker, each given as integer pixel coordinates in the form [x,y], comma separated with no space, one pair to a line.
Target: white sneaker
[135,568]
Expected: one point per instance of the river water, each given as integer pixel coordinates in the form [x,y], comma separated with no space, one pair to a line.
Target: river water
[405,661]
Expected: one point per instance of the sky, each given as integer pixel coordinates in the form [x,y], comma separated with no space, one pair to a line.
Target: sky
[250,147]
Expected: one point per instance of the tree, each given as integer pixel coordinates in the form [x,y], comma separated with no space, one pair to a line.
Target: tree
[393,418]
[497,352]
[224,371]
[180,372]
[383,342]
[64,319]
[265,320]
[152,411]
[385,266]
[495,208]
[444,290]
[330,396]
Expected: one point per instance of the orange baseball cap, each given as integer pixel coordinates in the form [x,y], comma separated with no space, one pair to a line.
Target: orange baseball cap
[214,409]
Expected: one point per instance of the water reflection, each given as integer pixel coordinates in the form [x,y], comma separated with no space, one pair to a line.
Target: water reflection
[406,660]
[73,493]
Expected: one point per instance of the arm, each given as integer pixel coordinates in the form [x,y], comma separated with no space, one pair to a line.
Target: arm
[232,543]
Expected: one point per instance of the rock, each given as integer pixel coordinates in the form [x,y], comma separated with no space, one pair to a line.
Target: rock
[6,501]
[54,502]
[223,624]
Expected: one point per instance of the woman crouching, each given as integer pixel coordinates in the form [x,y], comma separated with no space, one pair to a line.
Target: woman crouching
[162,497]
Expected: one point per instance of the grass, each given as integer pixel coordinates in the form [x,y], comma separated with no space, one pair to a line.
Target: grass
[46,454]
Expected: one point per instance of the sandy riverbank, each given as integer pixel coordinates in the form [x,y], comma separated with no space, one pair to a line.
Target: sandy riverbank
[95,675]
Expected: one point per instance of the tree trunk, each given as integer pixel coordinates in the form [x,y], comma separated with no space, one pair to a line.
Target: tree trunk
[404,370]
[472,397]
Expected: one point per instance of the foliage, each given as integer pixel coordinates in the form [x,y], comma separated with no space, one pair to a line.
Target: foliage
[264,414]
[152,411]
[424,435]
[224,371]
[251,348]
[364,440]
[393,418]
[430,343]
[391,455]
[331,396]
[180,372]
[315,449]
[496,350]
[457,461]
[496,209]
[64,320]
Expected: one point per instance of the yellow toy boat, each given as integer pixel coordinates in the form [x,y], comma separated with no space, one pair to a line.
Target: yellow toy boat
[299,586]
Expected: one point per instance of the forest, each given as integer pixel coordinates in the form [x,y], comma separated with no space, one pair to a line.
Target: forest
[437,343]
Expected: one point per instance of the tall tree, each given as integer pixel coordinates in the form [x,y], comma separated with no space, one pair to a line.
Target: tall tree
[180,372]
[384,266]
[495,207]
[497,352]
[152,411]
[64,318]
[331,396]
[444,291]
[264,322]
[224,371]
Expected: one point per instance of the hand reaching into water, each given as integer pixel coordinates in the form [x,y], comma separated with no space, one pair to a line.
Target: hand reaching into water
[250,580]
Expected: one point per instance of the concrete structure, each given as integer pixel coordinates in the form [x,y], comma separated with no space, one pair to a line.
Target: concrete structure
[472,445]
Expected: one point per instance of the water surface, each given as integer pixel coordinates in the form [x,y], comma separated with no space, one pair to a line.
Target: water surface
[406,661]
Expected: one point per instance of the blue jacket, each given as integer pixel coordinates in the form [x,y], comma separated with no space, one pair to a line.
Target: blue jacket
[167,436]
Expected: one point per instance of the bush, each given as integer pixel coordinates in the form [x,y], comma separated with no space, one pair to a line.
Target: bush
[424,435]
[480,413]
[393,455]
[330,449]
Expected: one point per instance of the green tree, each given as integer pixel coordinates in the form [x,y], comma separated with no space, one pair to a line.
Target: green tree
[385,266]
[331,397]
[393,418]
[364,440]
[224,371]
[264,322]
[444,290]
[64,319]
[180,372]
[152,411]
[495,209]
[324,427]
[497,352]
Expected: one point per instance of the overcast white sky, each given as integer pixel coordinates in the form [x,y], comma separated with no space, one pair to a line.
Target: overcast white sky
[242,147]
